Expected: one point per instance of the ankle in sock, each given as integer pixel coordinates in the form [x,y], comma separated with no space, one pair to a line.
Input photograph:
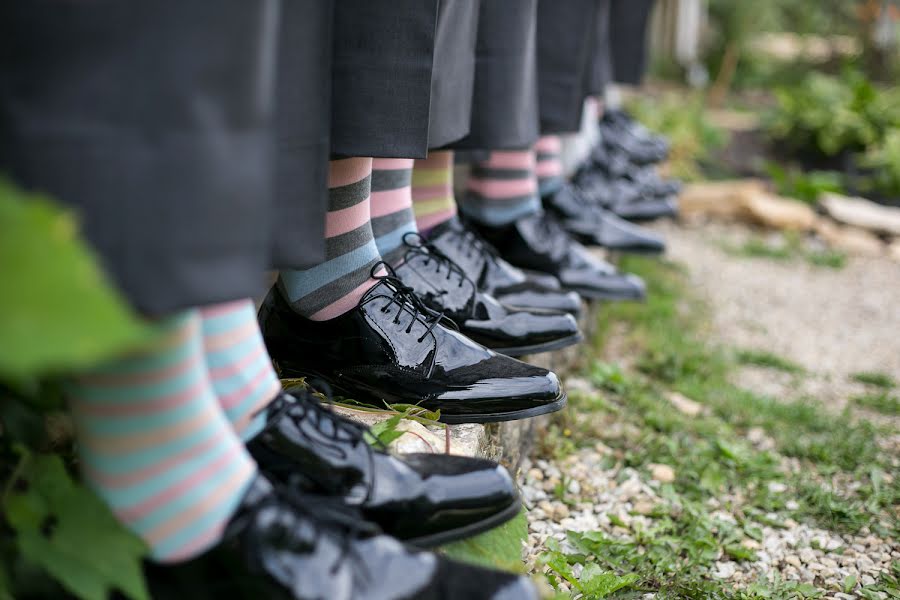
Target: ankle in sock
[239,365]
[432,190]
[392,213]
[502,189]
[548,165]
[156,446]
[334,287]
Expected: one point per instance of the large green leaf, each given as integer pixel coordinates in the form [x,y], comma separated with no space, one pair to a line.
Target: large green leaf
[67,531]
[57,311]
[500,548]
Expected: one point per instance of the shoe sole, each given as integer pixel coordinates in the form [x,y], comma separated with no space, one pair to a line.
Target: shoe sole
[593,294]
[515,415]
[642,250]
[468,531]
[541,348]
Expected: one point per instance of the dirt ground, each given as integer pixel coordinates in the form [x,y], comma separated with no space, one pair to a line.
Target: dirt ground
[832,322]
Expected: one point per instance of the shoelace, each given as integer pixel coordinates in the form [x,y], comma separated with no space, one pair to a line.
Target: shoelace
[407,301]
[300,406]
[417,245]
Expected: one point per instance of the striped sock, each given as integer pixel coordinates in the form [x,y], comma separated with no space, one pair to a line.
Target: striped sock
[392,214]
[156,446]
[549,167]
[502,189]
[432,190]
[238,364]
[334,287]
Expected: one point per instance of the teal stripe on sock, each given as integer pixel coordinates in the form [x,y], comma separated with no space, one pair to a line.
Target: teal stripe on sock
[500,213]
[302,283]
[198,527]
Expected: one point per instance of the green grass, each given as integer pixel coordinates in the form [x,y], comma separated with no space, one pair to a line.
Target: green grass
[785,249]
[709,453]
[875,379]
[768,360]
[886,404]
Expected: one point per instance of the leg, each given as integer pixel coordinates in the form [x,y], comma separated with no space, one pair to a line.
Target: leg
[156,446]
[334,287]
[392,212]
[432,190]
[239,366]
[502,189]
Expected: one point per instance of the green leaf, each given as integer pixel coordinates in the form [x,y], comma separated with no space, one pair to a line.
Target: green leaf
[499,548]
[57,311]
[386,431]
[56,520]
[596,583]
[849,583]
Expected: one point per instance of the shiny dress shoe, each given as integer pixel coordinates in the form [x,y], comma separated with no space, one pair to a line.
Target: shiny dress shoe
[593,225]
[621,132]
[646,182]
[540,243]
[509,285]
[623,198]
[444,287]
[422,499]
[280,545]
[393,349]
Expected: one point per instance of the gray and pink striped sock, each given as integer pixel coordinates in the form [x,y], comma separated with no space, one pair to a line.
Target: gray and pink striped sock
[334,287]
[549,166]
[502,189]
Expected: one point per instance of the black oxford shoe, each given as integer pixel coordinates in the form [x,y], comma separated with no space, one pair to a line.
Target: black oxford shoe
[422,499]
[280,545]
[619,131]
[538,242]
[593,225]
[495,276]
[623,199]
[444,287]
[393,349]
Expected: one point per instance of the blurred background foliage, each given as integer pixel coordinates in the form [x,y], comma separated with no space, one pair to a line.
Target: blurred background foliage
[820,79]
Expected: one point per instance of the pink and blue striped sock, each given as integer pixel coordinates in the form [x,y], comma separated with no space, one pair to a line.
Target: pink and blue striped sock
[502,189]
[239,365]
[549,166]
[432,190]
[392,212]
[157,447]
[334,287]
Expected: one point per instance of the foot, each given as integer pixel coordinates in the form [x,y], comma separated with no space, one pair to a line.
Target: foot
[444,287]
[593,225]
[280,545]
[493,275]
[623,198]
[422,499]
[538,242]
[393,349]
[621,132]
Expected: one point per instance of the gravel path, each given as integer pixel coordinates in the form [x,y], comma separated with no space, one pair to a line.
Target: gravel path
[832,322]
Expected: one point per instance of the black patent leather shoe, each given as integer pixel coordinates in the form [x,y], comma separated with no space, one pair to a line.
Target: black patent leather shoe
[623,198]
[621,132]
[540,243]
[593,225]
[393,349]
[444,287]
[608,166]
[422,499]
[493,275]
[280,545]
